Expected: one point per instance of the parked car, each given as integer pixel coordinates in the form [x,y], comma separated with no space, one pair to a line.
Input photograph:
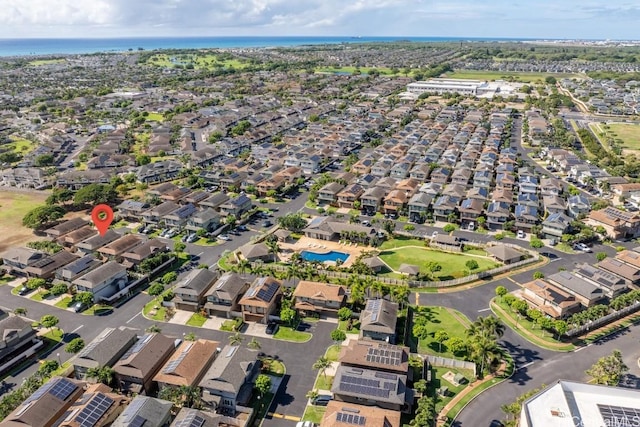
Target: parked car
[366,223]
[553,242]
[163,232]
[78,307]
[267,223]
[306,424]
[192,238]
[322,400]
[272,328]
[171,233]
[521,234]
[241,228]
[582,247]
[472,226]
[23,291]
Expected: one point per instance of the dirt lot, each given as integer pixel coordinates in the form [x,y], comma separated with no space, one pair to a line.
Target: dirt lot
[13,206]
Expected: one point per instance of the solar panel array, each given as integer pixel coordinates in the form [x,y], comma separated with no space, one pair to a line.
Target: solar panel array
[95,409]
[354,419]
[348,379]
[386,376]
[137,421]
[267,292]
[364,390]
[374,307]
[619,416]
[40,392]
[42,263]
[191,420]
[384,356]
[173,365]
[63,389]
[139,345]
[131,412]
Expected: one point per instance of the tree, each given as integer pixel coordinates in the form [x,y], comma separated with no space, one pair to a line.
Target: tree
[74,346]
[274,248]
[49,321]
[103,374]
[288,315]
[484,350]
[448,228]
[42,215]
[156,289]
[48,367]
[44,160]
[441,336]
[601,256]
[536,243]
[608,370]
[321,365]
[154,329]
[345,313]
[178,247]
[190,337]
[143,159]
[338,335]
[263,384]
[169,277]
[456,345]
[472,264]
[235,339]
[312,395]
[94,194]
[231,220]
[292,222]
[59,289]
[86,298]
[35,283]
[433,266]
[489,326]
[254,344]
[501,291]
[20,311]
[538,275]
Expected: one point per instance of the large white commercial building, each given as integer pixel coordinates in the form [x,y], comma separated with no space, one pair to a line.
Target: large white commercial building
[463,87]
[572,404]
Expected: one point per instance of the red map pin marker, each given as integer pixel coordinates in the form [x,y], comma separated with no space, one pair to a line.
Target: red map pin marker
[102,216]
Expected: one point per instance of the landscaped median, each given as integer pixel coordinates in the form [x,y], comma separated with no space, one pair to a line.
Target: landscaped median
[286,333]
[527,329]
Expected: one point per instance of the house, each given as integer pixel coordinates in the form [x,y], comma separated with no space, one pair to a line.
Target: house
[228,383]
[144,251]
[395,201]
[554,204]
[461,176]
[117,248]
[92,244]
[418,206]
[18,340]
[104,350]
[617,224]
[76,236]
[257,252]
[629,257]
[444,208]
[319,298]
[188,364]
[179,217]
[470,210]
[342,414]
[104,281]
[556,225]
[46,405]
[77,268]
[375,355]
[383,389]
[189,293]
[97,407]
[16,260]
[236,206]
[585,292]
[260,300]
[159,172]
[131,209]
[45,268]
[147,411]
[578,206]
[135,370]
[215,201]
[528,199]
[378,320]
[587,405]
[206,219]
[440,175]
[619,268]
[526,217]
[222,299]
[502,195]
[65,227]
[611,284]
[328,194]
[505,254]
[371,200]
[349,195]
[156,214]
[550,299]
[550,187]
[188,417]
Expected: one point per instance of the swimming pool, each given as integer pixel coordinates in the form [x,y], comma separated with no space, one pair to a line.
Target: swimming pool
[329,256]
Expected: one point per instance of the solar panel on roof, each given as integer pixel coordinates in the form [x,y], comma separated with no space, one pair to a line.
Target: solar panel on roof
[386,376]
[137,421]
[266,294]
[133,408]
[95,409]
[191,420]
[40,392]
[354,419]
[618,415]
[42,263]
[139,345]
[63,389]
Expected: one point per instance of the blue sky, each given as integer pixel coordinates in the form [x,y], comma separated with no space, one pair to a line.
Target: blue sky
[468,18]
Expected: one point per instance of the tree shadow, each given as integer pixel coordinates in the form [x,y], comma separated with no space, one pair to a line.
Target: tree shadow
[282,397]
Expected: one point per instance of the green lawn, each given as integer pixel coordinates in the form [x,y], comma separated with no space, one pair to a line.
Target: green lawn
[6,279]
[400,241]
[453,264]
[208,61]
[629,133]
[155,117]
[286,333]
[439,318]
[21,145]
[150,311]
[276,367]
[97,309]
[438,382]
[355,326]
[65,302]
[314,413]
[500,75]
[323,383]
[205,241]
[196,320]
[39,296]
[232,325]
[333,352]
[565,247]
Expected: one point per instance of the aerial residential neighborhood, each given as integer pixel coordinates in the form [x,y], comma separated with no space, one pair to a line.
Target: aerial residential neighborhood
[368,234]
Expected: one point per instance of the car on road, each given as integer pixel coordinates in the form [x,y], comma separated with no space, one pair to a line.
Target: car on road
[582,247]
[521,234]
[224,237]
[267,224]
[306,424]
[272,328]
[241,228]
[366,223]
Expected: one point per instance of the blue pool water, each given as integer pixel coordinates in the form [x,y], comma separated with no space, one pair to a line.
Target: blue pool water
[329,256]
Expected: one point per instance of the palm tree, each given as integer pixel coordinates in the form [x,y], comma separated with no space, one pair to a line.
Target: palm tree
[103,374]
[401,294]
[274,248]
[489,326]
[254,344]
[322,365]
[484,350]
[244,265]
[235,339]
[154,329]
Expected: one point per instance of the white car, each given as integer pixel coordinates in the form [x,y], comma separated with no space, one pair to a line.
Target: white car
[306,424]
[521,234]
[582,247]
[224,237]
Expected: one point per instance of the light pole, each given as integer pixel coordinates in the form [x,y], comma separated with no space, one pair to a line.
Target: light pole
[59,362]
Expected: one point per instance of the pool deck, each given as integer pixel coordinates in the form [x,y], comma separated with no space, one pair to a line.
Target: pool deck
[322,246]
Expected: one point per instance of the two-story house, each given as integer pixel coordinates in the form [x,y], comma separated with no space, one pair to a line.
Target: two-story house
[189,293]
[45,268]
[378,320]
[92,244]
[395,201]
[470,210]
[555,225]
[16,260]
[104,281]
[418,206]
[179,217]
[205,219]
[498,213]
[261,299]
[328,194]
[222,299]
[156,214]
[188,364]
[349,195]
[444,206]
[371,200]
[104,350]
[319,298]
[236,206]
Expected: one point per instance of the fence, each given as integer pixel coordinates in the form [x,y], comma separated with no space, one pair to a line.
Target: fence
[451,363]
[604,320]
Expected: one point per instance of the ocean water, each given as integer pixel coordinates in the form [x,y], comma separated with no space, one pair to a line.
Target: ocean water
[31,47]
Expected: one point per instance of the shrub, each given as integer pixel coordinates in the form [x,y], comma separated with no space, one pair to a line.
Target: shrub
[409,227]
[536,243]
[601,255]
[156,289]
[472,264]
[449,228]
[499,236]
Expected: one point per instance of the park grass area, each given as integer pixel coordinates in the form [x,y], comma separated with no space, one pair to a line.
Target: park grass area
[205,241]
[323,382]
[64,303]
[97,309]
[6,278]
[451,321]
[314,413]
[527,329]
[199,61]
[438,382]
[333,352]
[501,75]
[285,333]
[196,320]
[452,264]
[154,117]
[629,133]
[401,241]
[386,71]
[41,62]
[13,207]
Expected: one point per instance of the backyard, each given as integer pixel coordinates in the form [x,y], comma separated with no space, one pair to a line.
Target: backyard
[453,265]
[451,321]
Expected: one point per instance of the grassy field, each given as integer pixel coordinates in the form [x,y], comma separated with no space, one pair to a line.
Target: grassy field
[439,382]
[364,70]
[439,318]
[65,302]
[499,75]
[200,61]
[323,383]
[14,206]
[41,62]
[21,145]
[453,264]
[400,241]
[155,117]
[629,133]
[314,413]
[333,352]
